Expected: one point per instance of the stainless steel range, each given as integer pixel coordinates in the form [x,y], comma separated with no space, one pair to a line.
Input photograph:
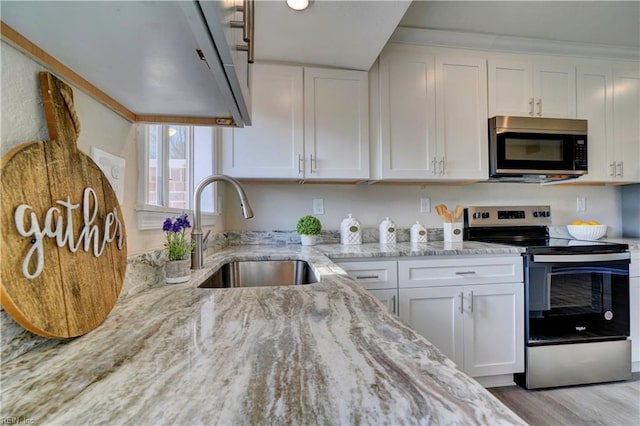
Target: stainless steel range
[576,298]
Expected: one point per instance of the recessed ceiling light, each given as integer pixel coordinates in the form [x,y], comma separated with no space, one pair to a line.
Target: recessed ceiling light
[298,4]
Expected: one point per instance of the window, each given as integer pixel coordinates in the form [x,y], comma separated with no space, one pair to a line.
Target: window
[173,159]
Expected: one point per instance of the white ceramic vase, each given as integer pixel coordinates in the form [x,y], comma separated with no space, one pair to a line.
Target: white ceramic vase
[308,240]
[177,271]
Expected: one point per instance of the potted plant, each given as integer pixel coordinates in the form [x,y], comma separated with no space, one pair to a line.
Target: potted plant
[179,247]
[309,227]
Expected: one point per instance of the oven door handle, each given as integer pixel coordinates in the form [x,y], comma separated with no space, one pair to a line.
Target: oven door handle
[574,258]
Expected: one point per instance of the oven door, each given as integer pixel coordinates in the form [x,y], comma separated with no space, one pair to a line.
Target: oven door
[577,297]
[536,153]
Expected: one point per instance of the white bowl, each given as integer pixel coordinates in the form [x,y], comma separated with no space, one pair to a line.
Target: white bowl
[587,232]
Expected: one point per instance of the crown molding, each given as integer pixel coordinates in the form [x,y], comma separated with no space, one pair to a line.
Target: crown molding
[511,44]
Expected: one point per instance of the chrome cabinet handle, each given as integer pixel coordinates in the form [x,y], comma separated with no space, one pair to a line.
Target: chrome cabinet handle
[465,272]
[612,167]
[461,302]
[531,107]
[620,169]
[393,304]
[539,103]
[367,277]
[247,28]
[471,301]
[433,166]
[300,161]
[312,162]
[441,164]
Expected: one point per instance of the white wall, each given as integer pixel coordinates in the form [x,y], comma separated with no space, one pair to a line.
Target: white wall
[278,206]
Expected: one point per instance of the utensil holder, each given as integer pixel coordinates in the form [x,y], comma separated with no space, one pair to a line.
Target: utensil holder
[452,231]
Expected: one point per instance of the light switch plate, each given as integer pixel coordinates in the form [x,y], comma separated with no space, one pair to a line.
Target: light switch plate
[318,206]
[113,168]
[425,205]
[581,204]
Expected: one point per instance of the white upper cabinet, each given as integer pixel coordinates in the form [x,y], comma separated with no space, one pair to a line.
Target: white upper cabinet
[609,99]
[433,117]
[461,117]
[155,59]
[626,124]
[274,144]
[531,88]
[308,123]
[336,124]
[407,113]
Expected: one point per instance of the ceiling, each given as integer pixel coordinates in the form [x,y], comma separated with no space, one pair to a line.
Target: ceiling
[615,23]
[343,34]
[351,33]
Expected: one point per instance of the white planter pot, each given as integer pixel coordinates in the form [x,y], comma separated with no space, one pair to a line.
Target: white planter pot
[177,271]
[308,240]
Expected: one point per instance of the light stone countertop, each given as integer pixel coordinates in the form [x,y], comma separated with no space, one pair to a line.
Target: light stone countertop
[432,248]
[325,353]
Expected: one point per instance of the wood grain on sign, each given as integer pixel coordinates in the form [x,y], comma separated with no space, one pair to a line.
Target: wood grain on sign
[63,234]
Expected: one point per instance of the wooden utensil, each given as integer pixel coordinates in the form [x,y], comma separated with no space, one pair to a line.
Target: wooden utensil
[443,212]
[457,212]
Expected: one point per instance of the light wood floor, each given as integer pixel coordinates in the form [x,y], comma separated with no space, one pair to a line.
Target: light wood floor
[610,404]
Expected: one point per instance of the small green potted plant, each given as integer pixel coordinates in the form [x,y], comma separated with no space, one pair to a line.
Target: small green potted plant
[309,227]
[179,247]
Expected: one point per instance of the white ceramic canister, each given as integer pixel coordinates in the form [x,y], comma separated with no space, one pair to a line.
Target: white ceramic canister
[418,233]
[350,231]
[387,231]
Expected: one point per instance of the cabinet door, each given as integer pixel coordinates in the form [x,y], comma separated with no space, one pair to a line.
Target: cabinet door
[461,117]
[626,125]
[510,88]
[554,90]
[436,314]
[272,146]
[336,116]
[594,96]
[407,113]
[494,329]
[389,297]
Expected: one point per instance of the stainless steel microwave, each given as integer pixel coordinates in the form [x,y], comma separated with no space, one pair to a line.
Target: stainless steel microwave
[537,149]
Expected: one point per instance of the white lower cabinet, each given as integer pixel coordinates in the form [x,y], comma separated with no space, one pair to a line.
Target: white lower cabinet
[379,277]
[472,309]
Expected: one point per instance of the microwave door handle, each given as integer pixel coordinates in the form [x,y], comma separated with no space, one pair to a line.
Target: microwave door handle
[574,258]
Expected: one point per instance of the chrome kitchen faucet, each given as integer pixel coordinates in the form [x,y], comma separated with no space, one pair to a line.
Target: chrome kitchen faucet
[196,234]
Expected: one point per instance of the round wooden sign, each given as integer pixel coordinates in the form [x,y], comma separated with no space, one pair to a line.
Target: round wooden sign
[63,235]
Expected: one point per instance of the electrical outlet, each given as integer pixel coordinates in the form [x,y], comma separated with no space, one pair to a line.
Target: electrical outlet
[318,206]
[581,204]
[425,205]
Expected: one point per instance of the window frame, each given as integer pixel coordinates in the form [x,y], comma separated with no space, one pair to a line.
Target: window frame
[151,216]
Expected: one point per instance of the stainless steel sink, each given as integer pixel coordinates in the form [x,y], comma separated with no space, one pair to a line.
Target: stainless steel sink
[261,273]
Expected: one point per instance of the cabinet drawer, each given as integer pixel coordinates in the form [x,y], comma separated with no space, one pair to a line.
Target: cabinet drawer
[460,271]
[373,275]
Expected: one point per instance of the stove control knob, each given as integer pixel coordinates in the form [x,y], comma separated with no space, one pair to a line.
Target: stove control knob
[547,214]
[477,215]
[536,214]
[485,215]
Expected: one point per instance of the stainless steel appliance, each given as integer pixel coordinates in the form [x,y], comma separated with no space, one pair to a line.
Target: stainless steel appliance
[576,298]
[537,149]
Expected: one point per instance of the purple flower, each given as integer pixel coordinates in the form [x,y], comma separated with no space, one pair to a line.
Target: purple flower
[185,221]
[167,225]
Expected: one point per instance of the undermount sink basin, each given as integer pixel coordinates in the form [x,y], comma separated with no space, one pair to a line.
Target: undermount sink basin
[261,273]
